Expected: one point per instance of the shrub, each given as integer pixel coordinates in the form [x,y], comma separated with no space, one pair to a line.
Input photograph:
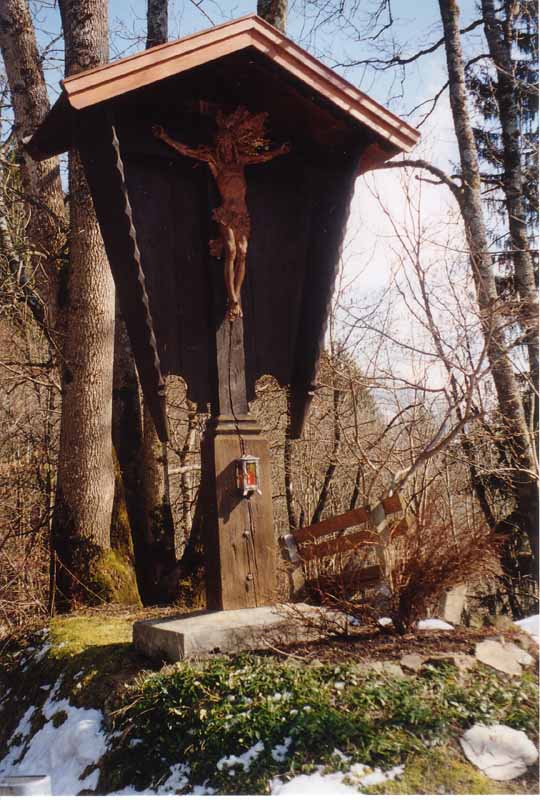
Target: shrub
[421,561]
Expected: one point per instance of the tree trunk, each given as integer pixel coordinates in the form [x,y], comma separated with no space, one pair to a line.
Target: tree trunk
[274,12]
[493,322]
[141,455]
[332,464]
[86,568]
[289,485]
[187,481]
[47,224]
[159,519]
[127,436]
[157,20]
[499,38]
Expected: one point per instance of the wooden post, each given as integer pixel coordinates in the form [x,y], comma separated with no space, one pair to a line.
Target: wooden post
[240,543]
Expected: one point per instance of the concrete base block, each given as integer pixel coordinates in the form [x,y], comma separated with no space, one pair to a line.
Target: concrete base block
[207,633]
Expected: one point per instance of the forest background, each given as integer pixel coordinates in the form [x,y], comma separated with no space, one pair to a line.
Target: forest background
[429,380]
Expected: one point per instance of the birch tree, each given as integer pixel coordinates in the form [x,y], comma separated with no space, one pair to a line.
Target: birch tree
[501,28]
[508,392]
[377,29]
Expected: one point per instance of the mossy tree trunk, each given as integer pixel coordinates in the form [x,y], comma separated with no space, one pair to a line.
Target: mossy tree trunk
[86,567]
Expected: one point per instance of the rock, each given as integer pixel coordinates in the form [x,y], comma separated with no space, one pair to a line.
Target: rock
[462,661]
[502,753]
[526,642]
[383,667]
[495,654]
[521,656]
[452,604]
[392,669]
[412,662]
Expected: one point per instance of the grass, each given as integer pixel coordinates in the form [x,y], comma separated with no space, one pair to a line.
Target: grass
[443,770]
[91,656]
[75,634]
[198,713]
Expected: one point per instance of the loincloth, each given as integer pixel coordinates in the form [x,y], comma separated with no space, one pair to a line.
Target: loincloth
[238,221]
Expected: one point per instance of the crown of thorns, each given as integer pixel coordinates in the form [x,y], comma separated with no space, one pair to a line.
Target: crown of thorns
[247,129]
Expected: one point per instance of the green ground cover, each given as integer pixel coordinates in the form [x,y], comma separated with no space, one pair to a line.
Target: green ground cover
[289,714]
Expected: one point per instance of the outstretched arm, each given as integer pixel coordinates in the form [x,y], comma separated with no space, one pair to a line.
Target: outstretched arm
[268,155]
[200,153]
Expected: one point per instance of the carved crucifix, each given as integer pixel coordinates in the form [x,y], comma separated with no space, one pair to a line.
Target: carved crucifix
[240,140]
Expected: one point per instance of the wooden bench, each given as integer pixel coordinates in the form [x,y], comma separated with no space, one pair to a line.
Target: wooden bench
[329,537]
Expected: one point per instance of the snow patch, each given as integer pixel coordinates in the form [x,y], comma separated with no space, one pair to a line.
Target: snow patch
[531,625]
[334,783]
[366,776]
[22,731]
[204,789]
[434,625]
[41,653]
[245,759]
[316,784]
[500,752]
[279,752]
[63,752]
[177,780]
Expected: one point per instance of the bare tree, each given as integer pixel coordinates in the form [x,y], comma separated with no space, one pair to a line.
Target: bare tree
[506,385]
[500,36]
[41,180]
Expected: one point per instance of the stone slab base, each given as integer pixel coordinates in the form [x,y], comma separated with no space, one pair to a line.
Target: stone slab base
[207,633]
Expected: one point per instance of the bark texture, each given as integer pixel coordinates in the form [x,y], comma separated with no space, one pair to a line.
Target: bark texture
[499,38]
[491,313]
[85,485]
[127,436]
[47,225]
[157,18]
[159,520]
[274,12]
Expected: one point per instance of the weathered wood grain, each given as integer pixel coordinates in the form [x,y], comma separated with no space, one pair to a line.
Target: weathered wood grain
[240,546]
[312,532]
[310,549]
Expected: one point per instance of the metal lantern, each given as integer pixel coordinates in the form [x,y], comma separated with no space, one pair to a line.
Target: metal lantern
[247,475]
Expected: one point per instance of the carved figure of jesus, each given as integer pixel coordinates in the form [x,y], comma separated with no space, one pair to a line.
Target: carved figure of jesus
[239,141]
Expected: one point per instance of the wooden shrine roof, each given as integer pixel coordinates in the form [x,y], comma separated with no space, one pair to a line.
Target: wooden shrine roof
[95,86]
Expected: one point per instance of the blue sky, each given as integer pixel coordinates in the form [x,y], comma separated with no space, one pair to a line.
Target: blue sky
[416,25]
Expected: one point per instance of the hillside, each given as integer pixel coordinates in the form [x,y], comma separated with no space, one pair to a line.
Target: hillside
[78,703]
